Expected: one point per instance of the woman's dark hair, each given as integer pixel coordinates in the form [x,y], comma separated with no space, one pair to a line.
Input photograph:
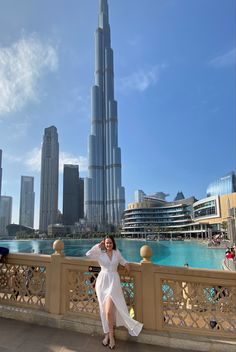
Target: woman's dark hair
[113,240]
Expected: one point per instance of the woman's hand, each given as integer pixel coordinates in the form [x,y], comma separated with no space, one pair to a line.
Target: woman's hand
[102,245]
[127,268]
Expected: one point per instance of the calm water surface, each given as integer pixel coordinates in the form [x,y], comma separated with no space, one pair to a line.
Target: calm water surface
[175,253]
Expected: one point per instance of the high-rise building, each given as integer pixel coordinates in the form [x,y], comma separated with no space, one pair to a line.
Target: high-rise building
[224,185]
[27,201]
[104,194]
[5,213]
[0,172]
[81,198]
[179,195]
[71,194]
[139,196]
[49,179]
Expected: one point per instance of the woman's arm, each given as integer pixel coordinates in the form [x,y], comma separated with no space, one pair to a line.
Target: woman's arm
[94,252]
[123,262]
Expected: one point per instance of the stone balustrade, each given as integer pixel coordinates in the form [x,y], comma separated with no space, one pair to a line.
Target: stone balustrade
[165,299]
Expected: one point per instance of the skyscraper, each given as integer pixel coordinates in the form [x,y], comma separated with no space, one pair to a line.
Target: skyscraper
[71,194]
[224,185]
[49,179]
[0,172]
[104,194]
[81,198]
[27,201]
[5,213]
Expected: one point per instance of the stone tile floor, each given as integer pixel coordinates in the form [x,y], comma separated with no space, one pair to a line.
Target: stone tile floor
[18,336]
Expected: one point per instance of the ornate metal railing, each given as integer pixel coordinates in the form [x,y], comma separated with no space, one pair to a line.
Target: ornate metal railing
[81,295]
[199,306]
[23,284]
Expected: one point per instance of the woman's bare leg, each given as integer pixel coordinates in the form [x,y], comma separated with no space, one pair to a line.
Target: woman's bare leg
[109,309]
[105,341]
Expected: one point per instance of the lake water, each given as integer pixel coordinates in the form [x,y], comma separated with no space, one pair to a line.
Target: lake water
[174,253]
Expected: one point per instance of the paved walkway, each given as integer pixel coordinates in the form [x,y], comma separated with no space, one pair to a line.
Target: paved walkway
[18,336]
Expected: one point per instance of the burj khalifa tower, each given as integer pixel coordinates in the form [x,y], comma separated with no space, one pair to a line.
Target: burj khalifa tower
[104,196]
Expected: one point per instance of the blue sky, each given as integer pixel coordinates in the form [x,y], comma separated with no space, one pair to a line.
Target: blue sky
[174,83]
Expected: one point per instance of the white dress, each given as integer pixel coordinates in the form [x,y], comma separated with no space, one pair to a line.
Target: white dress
[108,285]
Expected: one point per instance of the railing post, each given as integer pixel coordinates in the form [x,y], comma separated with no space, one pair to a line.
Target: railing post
[55,278]
[148,289]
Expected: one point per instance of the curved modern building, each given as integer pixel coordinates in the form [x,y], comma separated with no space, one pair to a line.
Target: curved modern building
[104,197]
[160,217]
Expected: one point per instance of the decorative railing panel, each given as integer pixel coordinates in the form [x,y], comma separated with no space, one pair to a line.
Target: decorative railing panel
[82,295]
[23,284]
[198,306]
[128,287]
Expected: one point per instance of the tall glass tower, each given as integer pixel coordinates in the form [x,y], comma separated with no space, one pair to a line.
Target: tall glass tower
[5,214]
[49,179]
[71,196]
[27,201]
[104,195]
[224,185]
[0,172]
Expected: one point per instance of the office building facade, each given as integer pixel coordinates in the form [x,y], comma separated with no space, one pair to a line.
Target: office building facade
[27,197]
[214,210]
[140,196]
[81,198]
[0,172]
[224,185]
[104,194]
[49,179]
[73,198]
[5,213]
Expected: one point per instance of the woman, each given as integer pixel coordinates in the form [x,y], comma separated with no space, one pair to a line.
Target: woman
[113,309]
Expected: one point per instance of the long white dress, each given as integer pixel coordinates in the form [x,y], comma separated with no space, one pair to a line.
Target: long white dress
[108,285]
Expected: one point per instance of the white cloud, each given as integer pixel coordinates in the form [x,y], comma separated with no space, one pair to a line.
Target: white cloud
[11,158]
[66,158]
[142,79]
[225,60]
[33,160]
[21,67]
[19,129]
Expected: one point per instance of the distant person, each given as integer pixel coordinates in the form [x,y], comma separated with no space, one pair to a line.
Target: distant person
[230,255]
[113,309]
[3,254]
[232,251]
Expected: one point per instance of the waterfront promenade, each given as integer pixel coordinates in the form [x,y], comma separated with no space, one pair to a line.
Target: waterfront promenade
[18,336]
